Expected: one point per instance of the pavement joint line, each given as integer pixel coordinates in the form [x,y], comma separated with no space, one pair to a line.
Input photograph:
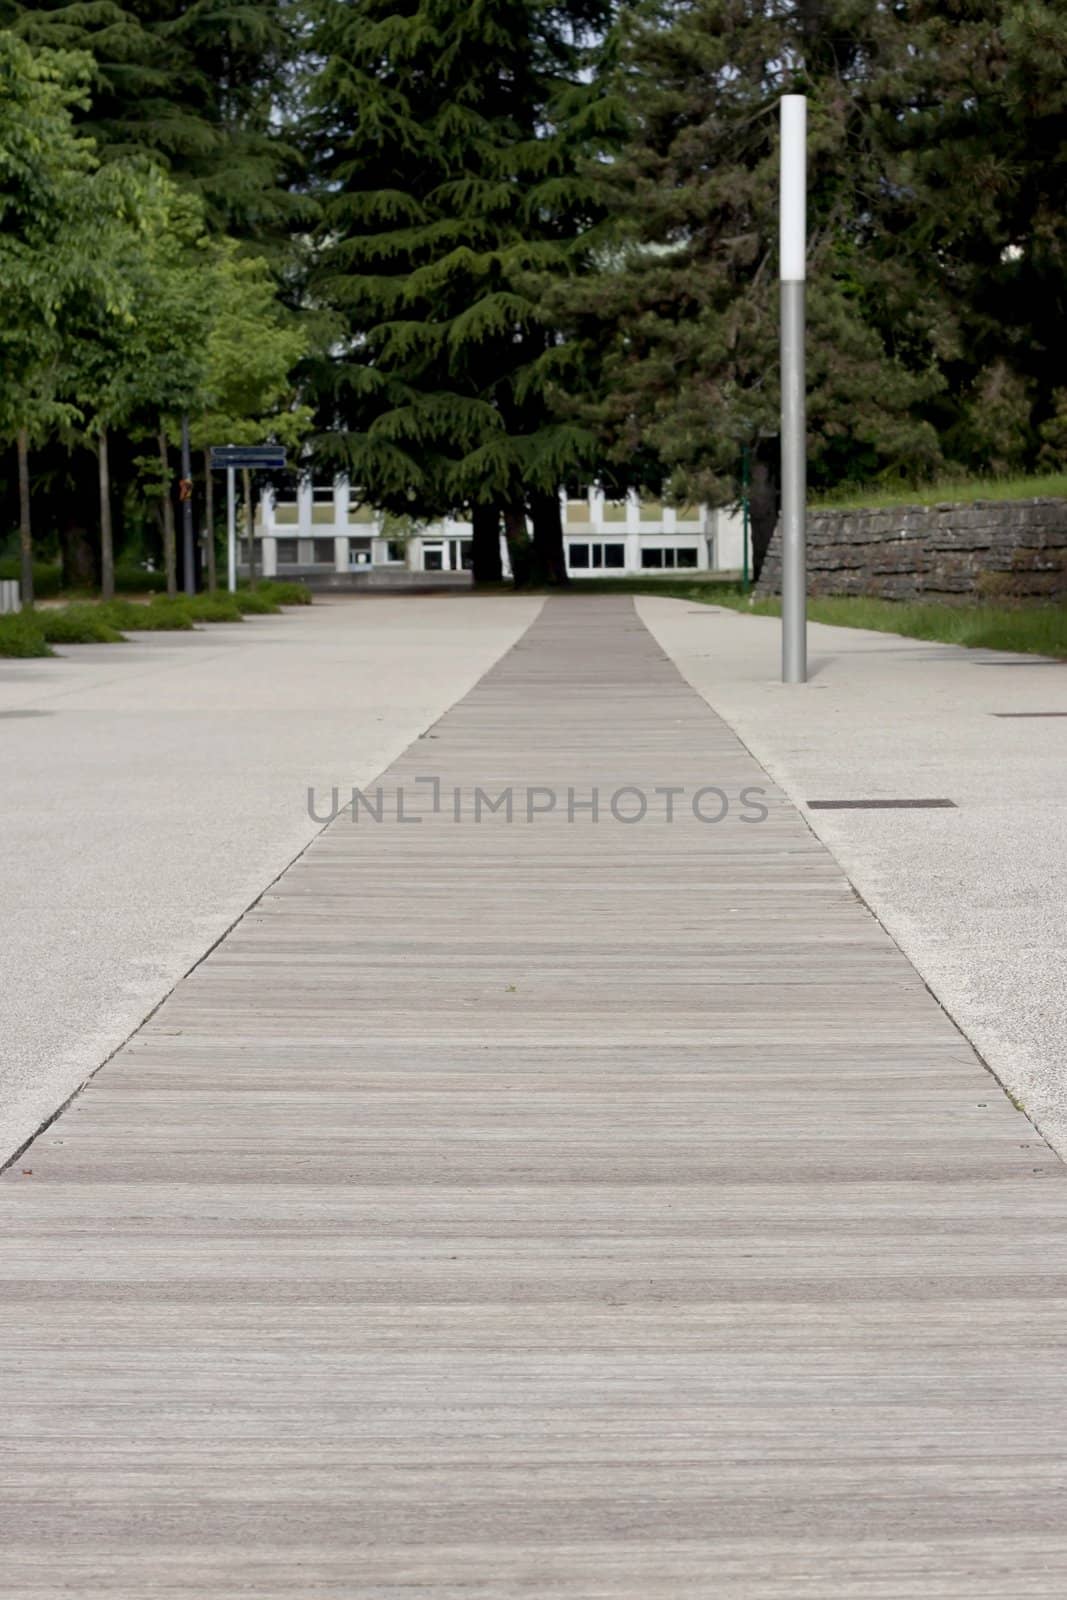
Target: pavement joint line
[881,805]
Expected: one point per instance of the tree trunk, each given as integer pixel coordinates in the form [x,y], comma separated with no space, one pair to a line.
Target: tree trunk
[107,543]
[520,550]
[209,524]
[547,520]
[250,525]
[25,526]
[79,556]
[170,553]
[485,543]
[763,508]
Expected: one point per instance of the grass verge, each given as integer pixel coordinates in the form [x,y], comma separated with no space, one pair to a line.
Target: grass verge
[955,491]
[1028,629]
[102,622]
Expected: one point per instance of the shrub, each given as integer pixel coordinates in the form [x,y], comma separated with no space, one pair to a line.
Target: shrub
[78,624]
[138,580]
[158,615]
[213,608]
[253,602]
[285,592]
[21,635]
[47,576]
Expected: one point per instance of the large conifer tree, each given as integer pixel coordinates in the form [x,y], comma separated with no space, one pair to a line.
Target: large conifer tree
[199,85]
[450,138]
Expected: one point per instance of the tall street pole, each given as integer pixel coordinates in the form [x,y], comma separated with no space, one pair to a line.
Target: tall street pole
[188,553]
[792,253]
[231,530]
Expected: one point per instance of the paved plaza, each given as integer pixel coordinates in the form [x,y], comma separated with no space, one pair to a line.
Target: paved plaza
[522,1199]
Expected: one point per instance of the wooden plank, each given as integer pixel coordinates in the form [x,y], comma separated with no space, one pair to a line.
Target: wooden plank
[603,1210]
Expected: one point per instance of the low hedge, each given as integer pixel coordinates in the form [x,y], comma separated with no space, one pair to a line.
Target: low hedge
[21,635]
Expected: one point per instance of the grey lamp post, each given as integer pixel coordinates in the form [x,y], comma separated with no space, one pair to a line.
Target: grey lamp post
[792,243]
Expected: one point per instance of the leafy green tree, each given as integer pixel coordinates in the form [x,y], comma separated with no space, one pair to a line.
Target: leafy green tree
[679,327]
[199,86]
[138,357]
[451,139]
[45,255]
[248,394]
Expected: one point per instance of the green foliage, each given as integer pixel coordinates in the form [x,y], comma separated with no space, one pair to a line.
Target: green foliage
[256,602]
[194,85]
[78,624]
[452,189]
[213,608]
[246,391]
[1028,629]
[161,614]
[47,577]
[959,490]
[45,252]
[21,635]
[284,592]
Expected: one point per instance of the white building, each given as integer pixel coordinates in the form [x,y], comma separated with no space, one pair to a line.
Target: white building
[326,533]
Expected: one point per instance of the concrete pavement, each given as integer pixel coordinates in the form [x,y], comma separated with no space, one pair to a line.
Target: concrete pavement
[152,790]
[572,1206]
[975,896]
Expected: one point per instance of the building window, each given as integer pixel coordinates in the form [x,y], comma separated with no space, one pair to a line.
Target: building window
[581,557]
[681,557]
[286,552]
[394,550]
[432,559]
[323,552]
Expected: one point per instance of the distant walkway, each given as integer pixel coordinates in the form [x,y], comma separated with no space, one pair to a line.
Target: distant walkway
[528,1208]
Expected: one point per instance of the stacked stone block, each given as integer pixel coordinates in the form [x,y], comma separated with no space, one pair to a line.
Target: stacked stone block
[984,549]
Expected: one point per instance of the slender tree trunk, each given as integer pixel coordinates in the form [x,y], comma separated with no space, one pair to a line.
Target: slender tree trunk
[25,526]
[547,520]
[209,520]
[763,507]
[519,548]
[107,543]
[250,525]
[170,553]
[485,543]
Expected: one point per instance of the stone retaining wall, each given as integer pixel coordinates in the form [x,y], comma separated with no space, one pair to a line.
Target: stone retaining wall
[991,549]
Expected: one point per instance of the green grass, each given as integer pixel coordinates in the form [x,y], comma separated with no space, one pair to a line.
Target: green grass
[1027,628]
[21,635]
[1030,629]
[876,497]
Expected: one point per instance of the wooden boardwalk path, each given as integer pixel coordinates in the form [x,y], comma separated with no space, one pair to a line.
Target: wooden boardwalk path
[533,1209]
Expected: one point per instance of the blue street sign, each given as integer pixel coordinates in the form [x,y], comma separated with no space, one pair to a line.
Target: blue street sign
[255,456]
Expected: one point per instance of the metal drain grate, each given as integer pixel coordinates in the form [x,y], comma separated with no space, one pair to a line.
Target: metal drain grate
[1017,714]
[880,805]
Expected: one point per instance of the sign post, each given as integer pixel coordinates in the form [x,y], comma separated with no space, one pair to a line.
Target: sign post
[792,269]
[231,532]
[256,458]
[188,541]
